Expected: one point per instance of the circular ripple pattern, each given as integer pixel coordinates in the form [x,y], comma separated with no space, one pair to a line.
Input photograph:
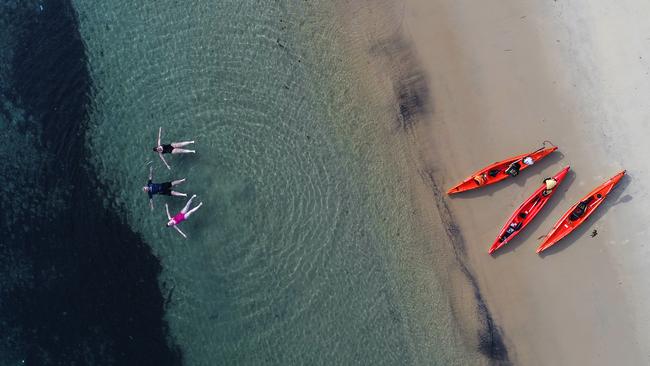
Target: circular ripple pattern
[279,267]
[283,264]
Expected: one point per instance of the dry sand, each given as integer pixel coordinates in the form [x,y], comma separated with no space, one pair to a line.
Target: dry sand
[501,77]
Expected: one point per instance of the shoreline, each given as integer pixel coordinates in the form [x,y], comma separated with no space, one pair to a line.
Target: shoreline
[396,76]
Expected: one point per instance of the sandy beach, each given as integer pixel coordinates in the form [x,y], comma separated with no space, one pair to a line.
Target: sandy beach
[495,79]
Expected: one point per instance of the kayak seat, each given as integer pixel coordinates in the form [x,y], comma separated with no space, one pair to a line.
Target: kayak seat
[513,169]
[480,179]
[582,206]
[578,212]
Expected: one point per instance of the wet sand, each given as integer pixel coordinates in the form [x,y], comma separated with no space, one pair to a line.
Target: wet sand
[495,79]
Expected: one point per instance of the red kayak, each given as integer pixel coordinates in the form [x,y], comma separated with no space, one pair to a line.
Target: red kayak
[527,212]
[579,212]
[501,170]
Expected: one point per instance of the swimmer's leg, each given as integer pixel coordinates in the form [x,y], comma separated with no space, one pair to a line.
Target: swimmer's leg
[182,151]
[187,205]
[192,210]
[177,182]
[179,194]
[181,144]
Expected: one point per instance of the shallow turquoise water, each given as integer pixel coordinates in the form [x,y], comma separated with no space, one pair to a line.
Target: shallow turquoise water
[303,251]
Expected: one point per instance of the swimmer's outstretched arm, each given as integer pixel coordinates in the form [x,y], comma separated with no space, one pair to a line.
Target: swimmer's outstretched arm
[164,161]
[169,217]
[150,173]
[159,135]
[179,230]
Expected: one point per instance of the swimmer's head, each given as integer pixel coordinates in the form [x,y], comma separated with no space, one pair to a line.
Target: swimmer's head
[155,148]
[145,189]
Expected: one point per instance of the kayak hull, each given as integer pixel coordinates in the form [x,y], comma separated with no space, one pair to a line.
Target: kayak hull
[499,167]
[526,212]
[566,224]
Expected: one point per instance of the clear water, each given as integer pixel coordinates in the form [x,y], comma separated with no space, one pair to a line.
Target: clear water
[306,250]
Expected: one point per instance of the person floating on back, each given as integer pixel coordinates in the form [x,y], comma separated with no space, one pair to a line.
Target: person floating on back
[161,188]
[181,216]
[173,148]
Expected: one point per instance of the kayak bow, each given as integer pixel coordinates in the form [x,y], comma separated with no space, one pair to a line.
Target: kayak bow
[498,171]
[526,212]
[579,212]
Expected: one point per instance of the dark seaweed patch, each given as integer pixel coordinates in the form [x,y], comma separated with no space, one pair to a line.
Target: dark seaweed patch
[412,96]
[87,292]
[410,86]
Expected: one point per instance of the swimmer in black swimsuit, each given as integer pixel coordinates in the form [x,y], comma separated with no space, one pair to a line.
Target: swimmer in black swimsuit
[173,148]
[161,188]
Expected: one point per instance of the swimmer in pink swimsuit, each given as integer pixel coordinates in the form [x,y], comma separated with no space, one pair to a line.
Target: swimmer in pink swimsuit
[181,216]
[173,148]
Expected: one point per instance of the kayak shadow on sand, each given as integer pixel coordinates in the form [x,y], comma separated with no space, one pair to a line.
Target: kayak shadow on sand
[613,199]
[541,218]
[521,180]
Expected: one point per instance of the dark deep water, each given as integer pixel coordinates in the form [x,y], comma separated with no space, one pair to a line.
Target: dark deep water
[77,286]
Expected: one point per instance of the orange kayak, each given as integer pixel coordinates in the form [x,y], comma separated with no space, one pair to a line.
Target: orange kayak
[579,212]
[527,212]
[501,170]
